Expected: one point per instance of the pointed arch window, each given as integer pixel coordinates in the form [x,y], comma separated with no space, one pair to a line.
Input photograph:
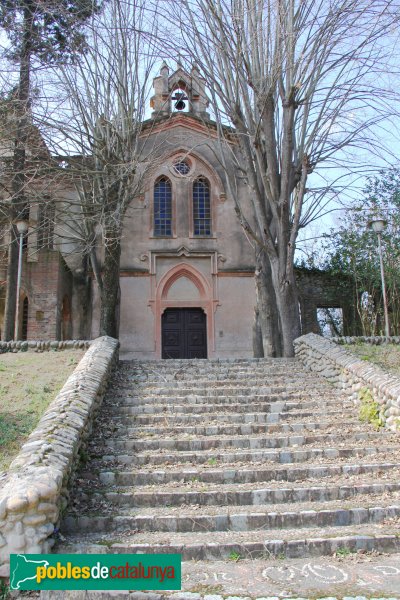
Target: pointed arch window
[201,207]
[163,208]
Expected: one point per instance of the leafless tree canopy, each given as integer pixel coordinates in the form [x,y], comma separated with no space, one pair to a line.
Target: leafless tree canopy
[303,83]
[105,94]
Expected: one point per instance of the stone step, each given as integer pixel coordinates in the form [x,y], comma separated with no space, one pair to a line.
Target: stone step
[374,509]
[284,455]
[264,407]
[245,429]
[199,363]
[255,544]
[166,374]
[162,375]
[282,375]
[209,389]
[251,379]
[245,475]
[125,497]
[244,441]
[349,477]
[246,399]
[223,417]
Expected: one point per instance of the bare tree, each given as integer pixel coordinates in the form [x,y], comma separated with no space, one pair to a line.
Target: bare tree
[102,126]
[302,82]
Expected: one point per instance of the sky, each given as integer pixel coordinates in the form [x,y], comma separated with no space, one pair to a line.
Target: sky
[355,182]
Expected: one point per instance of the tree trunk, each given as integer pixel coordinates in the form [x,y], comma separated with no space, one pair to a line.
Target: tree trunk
[267,309]
[110,292]
[81,308]
[288,308]
[258,350]
[18,199]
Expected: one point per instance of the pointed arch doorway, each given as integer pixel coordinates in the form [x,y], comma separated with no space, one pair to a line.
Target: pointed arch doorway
[184,311]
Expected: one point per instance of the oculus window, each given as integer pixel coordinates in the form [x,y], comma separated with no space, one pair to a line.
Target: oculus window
[182,167]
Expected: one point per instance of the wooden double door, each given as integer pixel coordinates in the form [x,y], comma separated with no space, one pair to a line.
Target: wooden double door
[184,333]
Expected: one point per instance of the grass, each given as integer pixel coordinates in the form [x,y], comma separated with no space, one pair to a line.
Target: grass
[4,590]
[343,552]
[28,383]
[385,356]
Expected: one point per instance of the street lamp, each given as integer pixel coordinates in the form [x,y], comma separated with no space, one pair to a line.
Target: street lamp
[22,227]
[378,225]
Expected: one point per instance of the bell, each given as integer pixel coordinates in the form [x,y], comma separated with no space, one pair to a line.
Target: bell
[180,105]
[179,100]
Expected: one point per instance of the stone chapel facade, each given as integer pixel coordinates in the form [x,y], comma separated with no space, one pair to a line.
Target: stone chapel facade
[187,268]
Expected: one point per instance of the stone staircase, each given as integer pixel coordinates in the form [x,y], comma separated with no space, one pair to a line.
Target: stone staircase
[233,458]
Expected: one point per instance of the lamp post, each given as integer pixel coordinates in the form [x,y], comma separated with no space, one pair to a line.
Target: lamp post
[22,227]
[378,225]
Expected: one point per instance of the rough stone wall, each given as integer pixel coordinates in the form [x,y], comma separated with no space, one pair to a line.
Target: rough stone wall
[44,345]
[375,340]
[318,289]
[35,491]
[346,371]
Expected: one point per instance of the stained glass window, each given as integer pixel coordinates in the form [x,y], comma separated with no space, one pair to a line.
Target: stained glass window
[201,207]
[163,208]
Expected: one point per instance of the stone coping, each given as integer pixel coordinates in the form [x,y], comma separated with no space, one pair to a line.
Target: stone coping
[44,345]
[376,340]
[347,371]
[35,491]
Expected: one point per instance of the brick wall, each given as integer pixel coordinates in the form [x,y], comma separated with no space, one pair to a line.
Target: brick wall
[45,283]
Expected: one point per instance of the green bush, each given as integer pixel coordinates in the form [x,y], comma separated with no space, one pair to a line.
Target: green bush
[369,408]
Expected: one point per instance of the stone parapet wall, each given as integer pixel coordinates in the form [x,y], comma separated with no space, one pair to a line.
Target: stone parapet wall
[35,493]
[346,371]
[375,340]
[44,345]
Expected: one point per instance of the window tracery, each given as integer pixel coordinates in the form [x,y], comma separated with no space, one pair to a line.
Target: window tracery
[182,166]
